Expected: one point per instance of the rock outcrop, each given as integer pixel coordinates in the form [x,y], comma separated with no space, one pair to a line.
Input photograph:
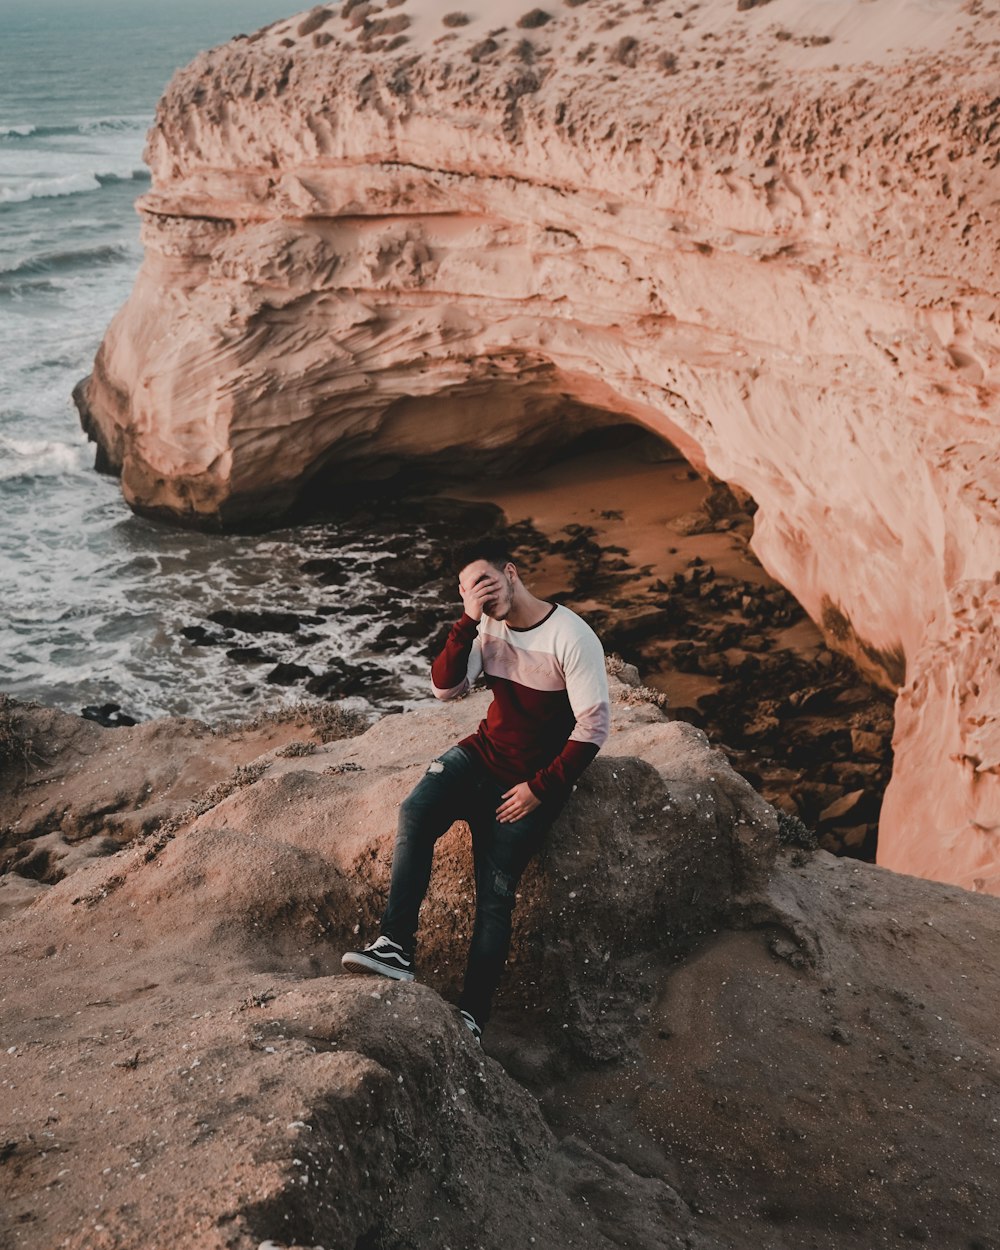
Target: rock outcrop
[704,1038]
[380,239]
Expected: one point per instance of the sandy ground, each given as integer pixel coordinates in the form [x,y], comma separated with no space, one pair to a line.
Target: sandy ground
[636,498]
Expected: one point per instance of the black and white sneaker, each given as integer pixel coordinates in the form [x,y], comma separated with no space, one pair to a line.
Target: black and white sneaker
[473,1027]
[383,956]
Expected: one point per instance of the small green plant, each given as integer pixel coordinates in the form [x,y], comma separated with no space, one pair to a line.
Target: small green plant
[792,832]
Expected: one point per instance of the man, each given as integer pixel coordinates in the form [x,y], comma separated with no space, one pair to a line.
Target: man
[509,780]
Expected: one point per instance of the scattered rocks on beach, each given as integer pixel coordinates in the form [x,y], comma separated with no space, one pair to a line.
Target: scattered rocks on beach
[798,724]
[805,729]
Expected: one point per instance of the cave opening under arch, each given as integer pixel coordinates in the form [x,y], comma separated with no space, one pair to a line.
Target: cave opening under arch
[618,523]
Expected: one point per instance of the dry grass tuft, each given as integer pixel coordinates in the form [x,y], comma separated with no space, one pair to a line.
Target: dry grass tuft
[634,692]
[313,21]
[243,775]
[292,749]
[485,47]
[329,721]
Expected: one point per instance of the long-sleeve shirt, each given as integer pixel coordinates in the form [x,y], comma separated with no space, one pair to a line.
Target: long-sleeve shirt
[550,713]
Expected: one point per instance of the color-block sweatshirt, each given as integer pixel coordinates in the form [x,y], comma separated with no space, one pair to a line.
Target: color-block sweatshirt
[550,713]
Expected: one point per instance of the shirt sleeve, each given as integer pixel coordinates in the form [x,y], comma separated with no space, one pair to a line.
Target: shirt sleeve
[587,690]
[460,662]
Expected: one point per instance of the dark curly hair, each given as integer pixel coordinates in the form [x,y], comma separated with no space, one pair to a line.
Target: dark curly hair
[495,551]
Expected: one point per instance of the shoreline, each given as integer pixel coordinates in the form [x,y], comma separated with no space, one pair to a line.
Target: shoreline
[653,556]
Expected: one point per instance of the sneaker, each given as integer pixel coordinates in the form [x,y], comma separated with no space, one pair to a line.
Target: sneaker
[473,1027]
[383,956]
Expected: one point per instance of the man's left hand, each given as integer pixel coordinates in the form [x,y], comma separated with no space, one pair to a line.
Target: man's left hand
[518,802]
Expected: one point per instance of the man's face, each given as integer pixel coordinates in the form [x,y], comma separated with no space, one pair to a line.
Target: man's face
[499,604]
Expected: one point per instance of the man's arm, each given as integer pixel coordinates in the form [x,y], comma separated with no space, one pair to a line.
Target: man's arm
[461,661]
[587,689]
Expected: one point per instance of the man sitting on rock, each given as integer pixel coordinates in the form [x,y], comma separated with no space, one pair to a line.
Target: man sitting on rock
[509,780]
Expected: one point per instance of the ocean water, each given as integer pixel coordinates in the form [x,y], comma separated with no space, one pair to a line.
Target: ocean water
[94,598]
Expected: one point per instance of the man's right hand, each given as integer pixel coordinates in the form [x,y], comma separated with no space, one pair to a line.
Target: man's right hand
[479,592]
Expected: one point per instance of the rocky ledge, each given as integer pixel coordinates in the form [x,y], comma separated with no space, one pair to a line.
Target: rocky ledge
[707,1037]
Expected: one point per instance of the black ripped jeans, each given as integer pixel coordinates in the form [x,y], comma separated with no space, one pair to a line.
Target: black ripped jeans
[457,786]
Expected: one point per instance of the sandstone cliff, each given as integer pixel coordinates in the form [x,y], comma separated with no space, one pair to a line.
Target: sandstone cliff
[393,236]
[704,1039]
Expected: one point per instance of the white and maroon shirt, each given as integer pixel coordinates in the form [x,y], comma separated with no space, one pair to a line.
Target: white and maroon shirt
[550,713]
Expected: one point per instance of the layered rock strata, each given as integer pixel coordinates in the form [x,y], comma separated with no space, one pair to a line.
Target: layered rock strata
[381,238]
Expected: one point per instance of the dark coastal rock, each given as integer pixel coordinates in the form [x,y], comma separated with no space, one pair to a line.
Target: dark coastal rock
[262,622]
[341,679]
[868,745]
[407,573]
[422,624]
[330,571]
[250,655]
[109,715]
[288,674]
[334,681]
[199,636]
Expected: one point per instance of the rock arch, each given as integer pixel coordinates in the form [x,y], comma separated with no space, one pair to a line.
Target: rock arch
[358,251]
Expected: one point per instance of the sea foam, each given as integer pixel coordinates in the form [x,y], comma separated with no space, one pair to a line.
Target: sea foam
[64,184]
[38,457]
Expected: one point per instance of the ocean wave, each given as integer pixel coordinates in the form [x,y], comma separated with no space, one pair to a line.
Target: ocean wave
[74,258]
[38,457]
[66,184]
[136,175]
[90,126]
[30,286]
[100,125]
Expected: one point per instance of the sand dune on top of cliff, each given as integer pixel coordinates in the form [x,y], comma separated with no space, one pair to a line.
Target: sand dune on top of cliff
[838,34]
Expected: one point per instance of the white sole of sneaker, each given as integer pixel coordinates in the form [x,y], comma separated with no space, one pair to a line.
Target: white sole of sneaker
[362,963]
[476,1037]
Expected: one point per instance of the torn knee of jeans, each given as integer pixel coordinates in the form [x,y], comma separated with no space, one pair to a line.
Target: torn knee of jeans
[435,767]
[502,884]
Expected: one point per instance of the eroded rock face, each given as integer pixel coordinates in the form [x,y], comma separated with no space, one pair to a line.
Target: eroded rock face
[765,236]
